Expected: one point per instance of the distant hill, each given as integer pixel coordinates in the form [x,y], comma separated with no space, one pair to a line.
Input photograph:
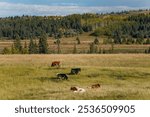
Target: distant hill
[122,27]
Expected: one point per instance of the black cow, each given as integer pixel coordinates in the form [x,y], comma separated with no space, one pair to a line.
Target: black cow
[75,70]
[74,88]
[62,76]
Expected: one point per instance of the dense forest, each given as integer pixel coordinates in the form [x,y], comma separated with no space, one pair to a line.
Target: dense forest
[123,26]
[127,27]
[33,26]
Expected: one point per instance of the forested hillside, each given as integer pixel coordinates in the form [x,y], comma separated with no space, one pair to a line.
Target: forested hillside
[76,33]
[123,27]
[32,26]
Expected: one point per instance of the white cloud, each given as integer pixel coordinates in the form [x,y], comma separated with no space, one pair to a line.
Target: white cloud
[10,9]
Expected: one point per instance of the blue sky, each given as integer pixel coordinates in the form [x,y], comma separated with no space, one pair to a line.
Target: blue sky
[131,3]
[65,7]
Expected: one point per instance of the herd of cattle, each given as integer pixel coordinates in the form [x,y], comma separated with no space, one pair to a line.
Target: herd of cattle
[64,76]
[74,71]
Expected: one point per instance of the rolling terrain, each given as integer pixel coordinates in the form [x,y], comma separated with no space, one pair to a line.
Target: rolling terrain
[110,52]
[121,76]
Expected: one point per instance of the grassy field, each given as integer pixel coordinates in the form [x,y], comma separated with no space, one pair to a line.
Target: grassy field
[67,45]
[31,77]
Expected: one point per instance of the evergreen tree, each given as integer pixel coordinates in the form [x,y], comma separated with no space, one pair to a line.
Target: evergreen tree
[78,40]
[96,49]
[31,47]
[100,50]
[92,48]
[117,39]
[58,46]
[96,41]
[75,49]
[148,41]
[104,51]
[36,50]
[6,51]
[112,46]
[43,45]
[17,44]
[14,50]
[148,50]
[57,42]
[25,49]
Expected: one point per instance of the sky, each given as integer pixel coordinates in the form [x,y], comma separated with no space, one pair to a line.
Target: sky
[66,7]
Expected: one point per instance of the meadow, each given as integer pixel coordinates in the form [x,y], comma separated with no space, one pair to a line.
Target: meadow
[67,45]
[121,76]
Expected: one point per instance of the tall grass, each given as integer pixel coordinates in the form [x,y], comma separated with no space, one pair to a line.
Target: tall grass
[31,77]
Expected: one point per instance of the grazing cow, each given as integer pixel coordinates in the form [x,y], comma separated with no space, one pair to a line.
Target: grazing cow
[95,86]
[77,90]
[62,76]
[75,70]
[55,63]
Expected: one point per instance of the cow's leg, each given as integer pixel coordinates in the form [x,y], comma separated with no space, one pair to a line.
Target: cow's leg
[66,78]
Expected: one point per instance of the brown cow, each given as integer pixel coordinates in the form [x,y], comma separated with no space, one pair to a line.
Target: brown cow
[95,86]
[55,64]
[77,90]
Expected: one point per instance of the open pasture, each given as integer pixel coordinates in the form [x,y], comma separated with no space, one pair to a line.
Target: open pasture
[121,76]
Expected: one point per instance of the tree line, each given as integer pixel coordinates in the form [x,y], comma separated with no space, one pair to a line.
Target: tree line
[134,29]
[123,27]
[33,26]
[32,48]
[41,46]
[119,28]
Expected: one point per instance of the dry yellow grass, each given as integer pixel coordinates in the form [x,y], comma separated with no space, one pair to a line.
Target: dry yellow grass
[67,45]
[30,77]
[95,60]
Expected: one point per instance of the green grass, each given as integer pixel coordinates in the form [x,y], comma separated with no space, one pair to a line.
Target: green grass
[30,77]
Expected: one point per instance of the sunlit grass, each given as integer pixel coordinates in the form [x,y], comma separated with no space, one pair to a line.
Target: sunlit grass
[31,77]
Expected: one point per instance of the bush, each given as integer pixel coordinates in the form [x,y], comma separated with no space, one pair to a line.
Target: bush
[6,51]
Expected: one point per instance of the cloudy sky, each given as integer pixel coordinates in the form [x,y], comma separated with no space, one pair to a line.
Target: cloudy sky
[65,7]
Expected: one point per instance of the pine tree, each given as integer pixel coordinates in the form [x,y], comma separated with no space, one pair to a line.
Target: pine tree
[112,46]
[148,41]
[100,50]
[6,51]
[104,51]
[36,50]
[75,49]
[78,40]
[31,47]
[43,46]
[96,41]
[58,46]
[92,48]
[13,51]
[17,44]
[25,49]
[96,49]
[148,50]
